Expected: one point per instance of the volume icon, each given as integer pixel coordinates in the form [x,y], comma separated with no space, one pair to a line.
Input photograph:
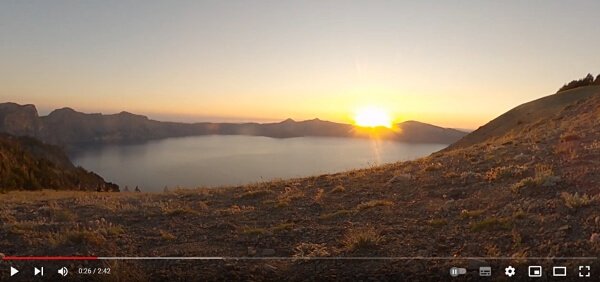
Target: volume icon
[63,271]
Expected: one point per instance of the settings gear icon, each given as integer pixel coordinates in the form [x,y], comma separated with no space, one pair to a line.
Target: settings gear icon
[509,271]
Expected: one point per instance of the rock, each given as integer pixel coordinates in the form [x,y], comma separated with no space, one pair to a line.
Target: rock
[595,238]
[520,156]
[551,181]
[268,252]
[251,251]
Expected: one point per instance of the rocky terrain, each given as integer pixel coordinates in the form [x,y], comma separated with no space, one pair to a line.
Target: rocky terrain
[526,185]
[69,128]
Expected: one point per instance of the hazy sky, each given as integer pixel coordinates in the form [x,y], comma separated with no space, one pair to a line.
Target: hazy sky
[452,63]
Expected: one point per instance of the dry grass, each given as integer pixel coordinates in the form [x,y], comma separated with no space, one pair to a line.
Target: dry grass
[288,195]
[181,212]
[471,214]
[319,196]
[543,176]
[575,201]
[304,250]
[62,215]
[255,231]
[253,194]
[525,182]
[235,209]
[361,239]
[372,204]
[504,172]
[76,237]
[437,222]
[167,236]
[491,224]
[336,214]
[282,227]
[338,189]
[492,251]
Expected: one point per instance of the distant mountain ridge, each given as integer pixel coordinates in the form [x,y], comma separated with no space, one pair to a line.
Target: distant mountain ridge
[67,127]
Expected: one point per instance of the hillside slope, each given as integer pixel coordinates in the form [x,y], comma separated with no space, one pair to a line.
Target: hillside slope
[531,192]
[523,116]
[27,164]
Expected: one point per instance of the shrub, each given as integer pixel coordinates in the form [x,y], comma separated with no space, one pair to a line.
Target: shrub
[502,172]
[544,176]
[587,80]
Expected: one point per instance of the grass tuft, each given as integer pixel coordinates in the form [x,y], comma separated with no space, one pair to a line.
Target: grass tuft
[362,239]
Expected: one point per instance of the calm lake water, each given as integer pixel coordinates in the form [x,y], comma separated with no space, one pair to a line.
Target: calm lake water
[208,161]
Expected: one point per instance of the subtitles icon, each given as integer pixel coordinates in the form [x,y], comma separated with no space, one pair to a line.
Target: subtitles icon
[485,271]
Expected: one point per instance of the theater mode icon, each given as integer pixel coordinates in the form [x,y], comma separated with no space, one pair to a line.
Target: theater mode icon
[559,271]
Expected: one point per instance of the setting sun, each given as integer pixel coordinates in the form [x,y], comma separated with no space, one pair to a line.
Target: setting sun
[373,117]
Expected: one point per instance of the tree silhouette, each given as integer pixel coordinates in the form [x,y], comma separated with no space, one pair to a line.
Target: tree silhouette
[587,80]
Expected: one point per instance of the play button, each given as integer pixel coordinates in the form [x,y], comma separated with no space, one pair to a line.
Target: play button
[13,271]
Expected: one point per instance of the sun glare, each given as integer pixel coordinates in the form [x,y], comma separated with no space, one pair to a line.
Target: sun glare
[373,117]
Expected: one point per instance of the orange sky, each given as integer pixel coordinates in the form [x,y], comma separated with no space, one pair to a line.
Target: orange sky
[451,64]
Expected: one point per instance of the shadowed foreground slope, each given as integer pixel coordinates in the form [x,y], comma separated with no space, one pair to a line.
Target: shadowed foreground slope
[527,193]
[28,164]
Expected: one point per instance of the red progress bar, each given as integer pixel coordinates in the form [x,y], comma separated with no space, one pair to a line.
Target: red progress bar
[49,258]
